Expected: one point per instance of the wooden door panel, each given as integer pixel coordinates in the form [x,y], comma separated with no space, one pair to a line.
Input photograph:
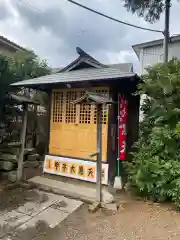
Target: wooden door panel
[73,129]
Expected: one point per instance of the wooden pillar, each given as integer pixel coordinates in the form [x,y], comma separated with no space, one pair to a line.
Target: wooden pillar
[99,154]
[49,115]
[22,140]
[35,123]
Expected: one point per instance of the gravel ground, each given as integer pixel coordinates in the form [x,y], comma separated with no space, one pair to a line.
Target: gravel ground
[135,220]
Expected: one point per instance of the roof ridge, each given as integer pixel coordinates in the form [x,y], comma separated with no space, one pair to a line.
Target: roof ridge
[82,53]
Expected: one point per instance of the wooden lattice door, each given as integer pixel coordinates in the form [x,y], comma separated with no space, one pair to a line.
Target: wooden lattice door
[73,127]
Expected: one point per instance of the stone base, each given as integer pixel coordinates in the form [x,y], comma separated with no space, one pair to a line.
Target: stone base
[77,190]
[94,207]
[111,207]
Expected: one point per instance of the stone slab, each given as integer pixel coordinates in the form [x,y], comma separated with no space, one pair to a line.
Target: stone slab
[15,218]
[50,216]
[11,220]
[52,211]
[32,208]
[54,214]
[111,207]
[67,205]
[71,190]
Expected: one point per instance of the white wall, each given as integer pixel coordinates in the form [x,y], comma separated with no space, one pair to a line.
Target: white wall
[6,50]
[152,55]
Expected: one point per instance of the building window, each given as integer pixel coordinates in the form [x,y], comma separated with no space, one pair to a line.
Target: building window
[57,112]
[63,111]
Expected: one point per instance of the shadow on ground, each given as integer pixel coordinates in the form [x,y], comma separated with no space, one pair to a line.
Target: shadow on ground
[39,230]
[12,199]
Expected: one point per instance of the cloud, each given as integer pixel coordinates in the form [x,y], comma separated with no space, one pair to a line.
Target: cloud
[82,28]
[4,12]
[54,29]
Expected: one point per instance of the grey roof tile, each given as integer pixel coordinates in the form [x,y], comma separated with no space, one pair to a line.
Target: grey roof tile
[124,67]
[77,76]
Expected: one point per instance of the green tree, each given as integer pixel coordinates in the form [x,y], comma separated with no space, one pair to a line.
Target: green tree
[6,78]
[24,65]
[154,171]
[151,10]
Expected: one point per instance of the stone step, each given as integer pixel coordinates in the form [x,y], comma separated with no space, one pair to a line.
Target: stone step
[13,151]
[8,157]
[10,176]
[33,164]
[33,157]
[29,151]
[76,191]
[7,166]
[10,145]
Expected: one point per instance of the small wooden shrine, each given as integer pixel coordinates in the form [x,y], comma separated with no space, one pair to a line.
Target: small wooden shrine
[73,127]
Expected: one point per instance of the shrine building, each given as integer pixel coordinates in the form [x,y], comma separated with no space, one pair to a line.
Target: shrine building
[73,127]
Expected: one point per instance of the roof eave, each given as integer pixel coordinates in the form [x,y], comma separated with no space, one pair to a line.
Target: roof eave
[109,81]
[153,43]
[11,44]
[136,50]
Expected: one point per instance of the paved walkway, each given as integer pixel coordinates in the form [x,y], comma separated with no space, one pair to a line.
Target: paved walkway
[40,209]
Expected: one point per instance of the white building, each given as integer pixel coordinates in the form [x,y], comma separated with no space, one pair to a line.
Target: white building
[9,48]
[150,53]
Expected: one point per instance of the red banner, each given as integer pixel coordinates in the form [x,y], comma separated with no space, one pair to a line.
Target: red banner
[123,127]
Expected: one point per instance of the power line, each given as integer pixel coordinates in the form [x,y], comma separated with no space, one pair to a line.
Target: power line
[99,13]
[114,19]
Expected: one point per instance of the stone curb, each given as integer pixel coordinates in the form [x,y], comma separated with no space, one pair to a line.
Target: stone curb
[65,191]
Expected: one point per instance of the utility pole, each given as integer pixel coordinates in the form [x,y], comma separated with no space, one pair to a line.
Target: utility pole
[166,29]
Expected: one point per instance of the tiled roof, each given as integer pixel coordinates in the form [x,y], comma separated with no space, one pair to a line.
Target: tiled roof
[124,67]
[77,76]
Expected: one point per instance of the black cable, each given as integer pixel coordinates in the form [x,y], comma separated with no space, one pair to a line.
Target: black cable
[101,14]
[113,19]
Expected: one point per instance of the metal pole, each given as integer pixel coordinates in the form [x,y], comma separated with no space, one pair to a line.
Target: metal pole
[166,29]
[99,154]
[118,156]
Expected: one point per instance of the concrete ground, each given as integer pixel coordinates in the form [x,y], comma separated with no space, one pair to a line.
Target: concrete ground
[23,213]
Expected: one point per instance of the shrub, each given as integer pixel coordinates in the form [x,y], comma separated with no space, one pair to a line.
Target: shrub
[154,171]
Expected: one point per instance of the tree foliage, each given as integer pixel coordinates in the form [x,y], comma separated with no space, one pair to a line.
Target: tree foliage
[24,65]
[154,171]
[151,10]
